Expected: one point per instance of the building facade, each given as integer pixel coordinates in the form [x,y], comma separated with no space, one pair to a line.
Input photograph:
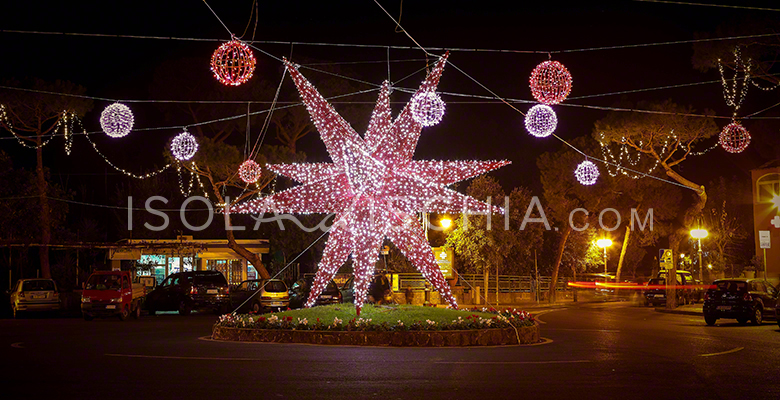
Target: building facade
[766,216]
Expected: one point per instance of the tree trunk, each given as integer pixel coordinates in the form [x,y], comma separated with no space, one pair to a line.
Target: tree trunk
[622,254]
[554,278]
[680,234]
[45,215]
[252,258]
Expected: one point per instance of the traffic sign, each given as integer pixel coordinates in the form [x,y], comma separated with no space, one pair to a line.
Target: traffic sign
[764,240]
[665,258]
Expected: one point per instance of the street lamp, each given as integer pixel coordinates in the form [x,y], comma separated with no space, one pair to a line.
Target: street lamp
[700,234]
[604,243]
[445,223]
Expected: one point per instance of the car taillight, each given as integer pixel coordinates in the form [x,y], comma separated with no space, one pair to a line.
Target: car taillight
[265,298]
[56,295]
[227,290]
[194,290]
[747,297]
[21,295]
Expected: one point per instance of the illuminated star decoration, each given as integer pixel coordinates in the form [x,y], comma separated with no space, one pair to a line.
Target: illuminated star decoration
[374,188]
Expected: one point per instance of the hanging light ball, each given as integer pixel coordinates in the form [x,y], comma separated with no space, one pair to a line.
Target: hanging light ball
[541,121]
[734,138]
[249,171]
[184,146]
[117,120]
[587,173]
[233,63]
[427,108]
[550,82]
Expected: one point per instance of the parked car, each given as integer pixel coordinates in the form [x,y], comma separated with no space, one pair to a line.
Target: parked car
[655,290]
[273,295]
[187,291]
[34,295]
[111,293]
[379,290]
[740,298]
[299,293]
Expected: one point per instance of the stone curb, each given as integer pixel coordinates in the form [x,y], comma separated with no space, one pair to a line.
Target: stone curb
[474,337]
[681,312]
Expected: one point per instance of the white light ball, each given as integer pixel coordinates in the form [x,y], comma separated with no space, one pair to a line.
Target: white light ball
[427,108]
[184,146]
[117,120]
[587,173]
[541,120]
[249,171]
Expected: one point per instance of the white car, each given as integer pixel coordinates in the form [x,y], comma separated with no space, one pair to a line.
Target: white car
[30,295]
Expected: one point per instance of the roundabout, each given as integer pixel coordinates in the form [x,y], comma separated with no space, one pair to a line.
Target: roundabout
[399,326]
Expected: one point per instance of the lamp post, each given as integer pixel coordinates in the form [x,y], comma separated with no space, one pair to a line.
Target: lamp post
[604,243]
[700,234]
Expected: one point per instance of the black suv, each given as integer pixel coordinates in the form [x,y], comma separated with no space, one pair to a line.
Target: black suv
[187,291]
[740,298]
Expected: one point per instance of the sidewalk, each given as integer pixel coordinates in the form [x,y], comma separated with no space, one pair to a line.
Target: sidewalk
[690,309]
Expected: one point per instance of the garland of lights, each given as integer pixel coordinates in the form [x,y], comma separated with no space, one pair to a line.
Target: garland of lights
[730,94]
[541,120]
[625,154]
[181,182]
[116,120]
[374,187]
[550,82]
[233,63]
[184,146]
[20,138]
[249,171]
[587,173]
[427,108]
[734,138]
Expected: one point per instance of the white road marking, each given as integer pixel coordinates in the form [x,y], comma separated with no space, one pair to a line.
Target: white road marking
[722,352]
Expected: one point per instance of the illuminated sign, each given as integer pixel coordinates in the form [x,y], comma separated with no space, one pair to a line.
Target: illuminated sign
[444,257]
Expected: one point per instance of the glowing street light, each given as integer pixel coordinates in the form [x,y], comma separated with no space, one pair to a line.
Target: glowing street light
[604,243]
[700,234]
[445,223]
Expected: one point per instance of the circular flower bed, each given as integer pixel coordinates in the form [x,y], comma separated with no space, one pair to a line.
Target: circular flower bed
[483,327]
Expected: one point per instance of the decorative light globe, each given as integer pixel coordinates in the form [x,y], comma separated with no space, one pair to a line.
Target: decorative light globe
[550,82]
[184,146]
[587,173]
[233,63]
[117,120]
[541,120]
[249,171]
[427,108]
[734,138]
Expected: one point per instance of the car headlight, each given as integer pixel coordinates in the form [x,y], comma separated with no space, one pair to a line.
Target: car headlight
[86,300]
[116,300]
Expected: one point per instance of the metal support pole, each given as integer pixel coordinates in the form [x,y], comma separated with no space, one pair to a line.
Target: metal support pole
[764,264]
[701,266]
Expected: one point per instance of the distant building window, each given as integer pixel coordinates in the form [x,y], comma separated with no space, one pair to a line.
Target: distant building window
[767,188]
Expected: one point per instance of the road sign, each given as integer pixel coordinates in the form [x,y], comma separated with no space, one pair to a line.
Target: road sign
[665,258]
[764,240]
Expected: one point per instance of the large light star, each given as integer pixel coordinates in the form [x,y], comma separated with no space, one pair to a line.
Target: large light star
[374,188]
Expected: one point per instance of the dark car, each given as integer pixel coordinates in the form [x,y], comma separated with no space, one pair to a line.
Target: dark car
[187,291]
[299,293]
[273,295]
[655,290]
[740,298]
[379,290]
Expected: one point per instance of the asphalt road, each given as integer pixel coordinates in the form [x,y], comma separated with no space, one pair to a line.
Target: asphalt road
[597,351]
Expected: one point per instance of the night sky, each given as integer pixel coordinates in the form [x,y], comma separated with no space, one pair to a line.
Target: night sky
[124,68]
